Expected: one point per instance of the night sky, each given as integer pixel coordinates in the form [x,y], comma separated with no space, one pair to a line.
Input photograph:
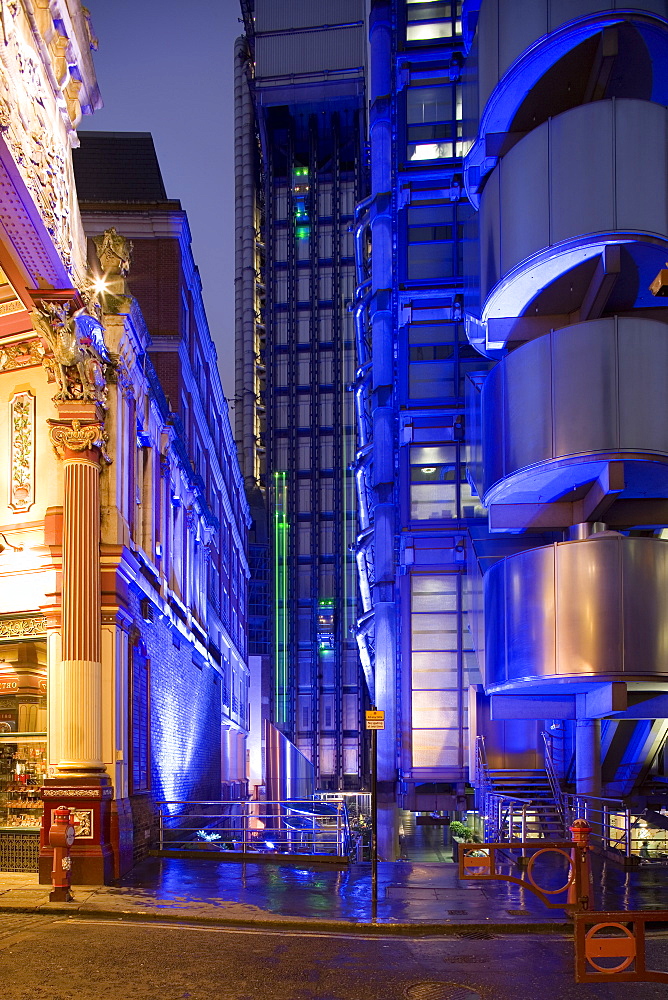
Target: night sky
[167,68]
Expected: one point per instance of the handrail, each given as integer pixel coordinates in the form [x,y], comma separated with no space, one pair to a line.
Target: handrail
[553,777]
[280,826]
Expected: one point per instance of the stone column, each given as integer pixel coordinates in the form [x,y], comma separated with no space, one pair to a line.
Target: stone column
[78,437]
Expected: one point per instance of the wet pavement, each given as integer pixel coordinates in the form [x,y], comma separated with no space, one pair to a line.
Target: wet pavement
[411,897]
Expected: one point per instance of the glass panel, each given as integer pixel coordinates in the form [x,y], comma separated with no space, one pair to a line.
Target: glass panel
[422,32]
[435,748]
[304,412]
[429,380]
[430,261]
[303,328]
[433,502]
[303,285]
[431,151]
[428,104]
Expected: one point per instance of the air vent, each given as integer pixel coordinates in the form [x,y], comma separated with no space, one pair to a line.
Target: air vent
[147,610]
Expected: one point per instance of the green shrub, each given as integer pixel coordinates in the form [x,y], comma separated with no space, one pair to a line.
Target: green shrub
[462,832]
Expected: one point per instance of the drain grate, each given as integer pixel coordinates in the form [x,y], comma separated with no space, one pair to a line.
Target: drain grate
[440,991]
[475,935]
[465,959]
[456,913]
[519,913]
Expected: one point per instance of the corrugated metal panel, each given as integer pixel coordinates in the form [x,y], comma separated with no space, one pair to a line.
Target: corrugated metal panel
[309,52]
[280,15]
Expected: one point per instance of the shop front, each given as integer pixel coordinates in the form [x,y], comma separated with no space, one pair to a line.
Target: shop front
[23,748]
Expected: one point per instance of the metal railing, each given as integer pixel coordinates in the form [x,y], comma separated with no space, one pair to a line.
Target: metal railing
[286,827]
[611,820]
[553,775]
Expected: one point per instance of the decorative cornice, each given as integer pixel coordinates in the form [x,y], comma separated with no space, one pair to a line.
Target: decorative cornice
[23,628]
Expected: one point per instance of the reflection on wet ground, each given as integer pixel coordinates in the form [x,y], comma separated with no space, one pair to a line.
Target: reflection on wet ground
[407,892]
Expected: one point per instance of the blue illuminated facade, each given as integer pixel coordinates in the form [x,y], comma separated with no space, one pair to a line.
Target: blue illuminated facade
[416,504]
[511,447]
[567,170]
[301,170]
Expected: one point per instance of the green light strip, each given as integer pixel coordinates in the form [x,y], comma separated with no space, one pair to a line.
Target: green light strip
[281,594]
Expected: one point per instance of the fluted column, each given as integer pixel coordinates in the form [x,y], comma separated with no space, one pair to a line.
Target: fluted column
[79,441]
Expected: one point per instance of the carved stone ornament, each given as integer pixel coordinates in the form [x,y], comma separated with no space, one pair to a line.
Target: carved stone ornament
[114,252]
[78,350]
[22,455]
[76,436]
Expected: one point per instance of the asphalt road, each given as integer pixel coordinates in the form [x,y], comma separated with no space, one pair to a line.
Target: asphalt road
[42,958]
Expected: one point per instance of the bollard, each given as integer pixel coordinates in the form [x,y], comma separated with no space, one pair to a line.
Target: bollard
[61,838]
[578,891]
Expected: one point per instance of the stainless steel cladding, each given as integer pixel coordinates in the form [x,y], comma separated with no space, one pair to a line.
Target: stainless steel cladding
[610,406]
[598,170]
[289,775]
[509,29]
[578,609]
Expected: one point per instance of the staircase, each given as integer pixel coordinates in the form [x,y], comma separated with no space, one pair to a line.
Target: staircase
[520,801]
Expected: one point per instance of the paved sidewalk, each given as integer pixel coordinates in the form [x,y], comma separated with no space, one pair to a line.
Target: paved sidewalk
[412,898]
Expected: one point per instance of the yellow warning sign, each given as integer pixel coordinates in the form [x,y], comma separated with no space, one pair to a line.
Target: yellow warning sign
[375,720]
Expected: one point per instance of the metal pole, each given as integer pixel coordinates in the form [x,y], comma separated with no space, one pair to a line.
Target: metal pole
[627,832]
[374,812]
[162,844]
[244,825]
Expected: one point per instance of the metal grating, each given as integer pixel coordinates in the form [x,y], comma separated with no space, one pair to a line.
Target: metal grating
[519,913]
[473,935]
[440,991]
[19,852]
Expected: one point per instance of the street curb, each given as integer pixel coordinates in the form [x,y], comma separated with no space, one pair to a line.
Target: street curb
[306,924]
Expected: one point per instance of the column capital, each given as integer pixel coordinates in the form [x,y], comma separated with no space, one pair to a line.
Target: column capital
[78,433]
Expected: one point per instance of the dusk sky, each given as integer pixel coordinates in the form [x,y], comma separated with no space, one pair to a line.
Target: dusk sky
[167,68]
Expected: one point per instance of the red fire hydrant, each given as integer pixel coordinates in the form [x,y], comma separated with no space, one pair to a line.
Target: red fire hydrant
[61,838]
[581,864]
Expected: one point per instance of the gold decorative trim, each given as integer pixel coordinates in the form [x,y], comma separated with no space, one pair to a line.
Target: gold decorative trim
[76,436]
[23,628]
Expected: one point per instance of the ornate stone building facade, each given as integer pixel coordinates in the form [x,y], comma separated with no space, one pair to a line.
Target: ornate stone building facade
[115,665]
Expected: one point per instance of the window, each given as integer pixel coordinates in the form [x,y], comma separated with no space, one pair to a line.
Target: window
[326,538]
[281,202]
[437,698]
[303,327]
[325,283]
[304,411]
[303,370]
[325,326]
[139,723]
[281,371]
[433,483]
[432,19]
[326,452]
[326,495]
[304,453]
[325,242]
[281,245]
[303,285]
[281,328]
[326,409]
[433,123]
[324,200]
[326,369]
[281,286]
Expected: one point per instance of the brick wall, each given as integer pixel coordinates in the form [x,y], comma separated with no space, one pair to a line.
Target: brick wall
[155,281]
[185,717]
